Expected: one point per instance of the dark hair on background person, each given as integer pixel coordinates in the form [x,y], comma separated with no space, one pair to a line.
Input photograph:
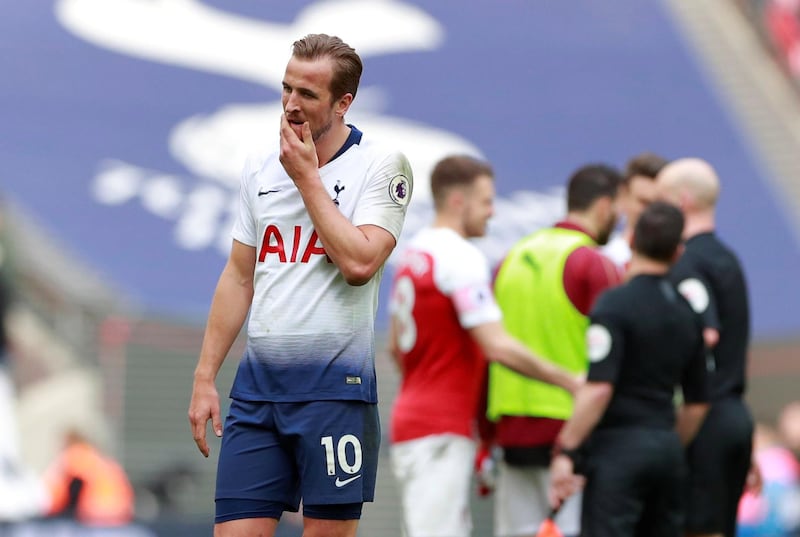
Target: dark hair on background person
[658,232]
[346,74]
[456,171]
[646,164]
[591,182]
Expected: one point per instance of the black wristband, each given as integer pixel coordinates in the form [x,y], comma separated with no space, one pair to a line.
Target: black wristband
[573,454]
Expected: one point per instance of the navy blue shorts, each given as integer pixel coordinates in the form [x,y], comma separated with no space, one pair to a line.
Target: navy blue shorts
[275,454]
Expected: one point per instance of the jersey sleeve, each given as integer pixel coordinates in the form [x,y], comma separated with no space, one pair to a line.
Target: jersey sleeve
[696,289]
[244,227]
[466,279]
[386,198]
[605,346]
[587,274]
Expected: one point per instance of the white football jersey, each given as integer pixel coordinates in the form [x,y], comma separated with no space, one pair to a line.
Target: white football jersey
[310,333]
[618,250]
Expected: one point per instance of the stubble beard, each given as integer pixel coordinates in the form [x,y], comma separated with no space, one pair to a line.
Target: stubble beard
[605,234]
[321,132]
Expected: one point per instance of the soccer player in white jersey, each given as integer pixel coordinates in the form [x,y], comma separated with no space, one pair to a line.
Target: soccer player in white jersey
[444,325]
[317,221]
[637,191]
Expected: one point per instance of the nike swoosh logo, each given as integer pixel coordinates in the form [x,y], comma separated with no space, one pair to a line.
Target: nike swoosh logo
[342,482]
[265,192]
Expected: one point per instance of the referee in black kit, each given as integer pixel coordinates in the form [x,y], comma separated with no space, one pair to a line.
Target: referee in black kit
[710,276]
[625,435]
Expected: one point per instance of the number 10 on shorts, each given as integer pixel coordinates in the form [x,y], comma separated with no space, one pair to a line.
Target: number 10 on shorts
[341,454]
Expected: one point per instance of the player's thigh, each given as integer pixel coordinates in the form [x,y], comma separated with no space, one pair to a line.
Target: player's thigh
[618,471]
[434,476]
[719,459]
[264,527]
[665,484]
[335,448]
[256,476]
[610,509]
[314,527]
[521,502]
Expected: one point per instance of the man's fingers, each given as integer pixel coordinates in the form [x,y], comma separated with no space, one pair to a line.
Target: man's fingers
[199,433]
[200,440]
[216,422]
[202,446]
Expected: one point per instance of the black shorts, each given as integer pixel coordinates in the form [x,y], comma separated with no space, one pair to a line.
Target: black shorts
[719,459]
[635,483]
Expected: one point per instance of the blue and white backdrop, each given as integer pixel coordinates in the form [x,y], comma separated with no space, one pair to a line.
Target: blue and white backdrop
[124,123]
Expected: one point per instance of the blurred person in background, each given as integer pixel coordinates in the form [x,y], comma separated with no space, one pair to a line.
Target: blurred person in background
[88,486]
[317,220]
[626,436]
[637,191]
[775,512]
[782,22]
[545,288]
[22,493]
[444,324]
[712,279]
[789,426]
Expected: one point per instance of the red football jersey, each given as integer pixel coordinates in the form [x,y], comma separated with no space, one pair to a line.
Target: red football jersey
[441,289]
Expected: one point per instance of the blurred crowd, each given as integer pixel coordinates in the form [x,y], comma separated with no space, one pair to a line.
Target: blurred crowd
[776,447]
[76,488]
[778,21]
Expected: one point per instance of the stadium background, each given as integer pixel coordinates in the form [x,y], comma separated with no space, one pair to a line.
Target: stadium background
[125,122]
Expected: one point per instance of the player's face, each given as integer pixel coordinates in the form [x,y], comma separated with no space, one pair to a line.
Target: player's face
[668,194]
[608,217]
[479,206]
[307,97]
[636,196]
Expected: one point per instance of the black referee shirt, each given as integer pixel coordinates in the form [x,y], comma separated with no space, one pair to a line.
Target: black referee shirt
[645,339]
[711,277]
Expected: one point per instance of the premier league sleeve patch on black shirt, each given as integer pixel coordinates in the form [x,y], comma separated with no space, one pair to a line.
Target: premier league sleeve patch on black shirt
[399,190]
[695,293]
[598,343]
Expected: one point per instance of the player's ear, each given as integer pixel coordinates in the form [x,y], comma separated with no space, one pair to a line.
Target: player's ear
[343,104]
[457,197]
[686,200]
[678,252]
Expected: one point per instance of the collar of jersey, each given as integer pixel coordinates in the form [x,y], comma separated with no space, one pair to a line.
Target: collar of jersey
[353,139]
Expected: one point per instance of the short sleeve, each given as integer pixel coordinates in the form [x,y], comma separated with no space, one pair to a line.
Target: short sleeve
[697,291]
[244,227]
[388,192]
[605,344]
[466,279]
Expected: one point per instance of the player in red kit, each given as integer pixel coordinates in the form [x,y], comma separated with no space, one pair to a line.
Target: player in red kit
[445,324]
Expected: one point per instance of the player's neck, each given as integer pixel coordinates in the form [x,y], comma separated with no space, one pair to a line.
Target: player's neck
[697,223]
[627,234]
[331,142]
[583,221]
[449,222]
[641,265]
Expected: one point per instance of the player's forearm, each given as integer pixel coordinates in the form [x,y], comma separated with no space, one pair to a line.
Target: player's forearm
[689,418]
[350,249]
[535,367]
[591,402]
[503,348]
[392,348]
[228,312]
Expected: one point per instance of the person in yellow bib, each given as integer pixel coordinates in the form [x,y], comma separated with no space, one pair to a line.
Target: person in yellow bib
[545,288]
